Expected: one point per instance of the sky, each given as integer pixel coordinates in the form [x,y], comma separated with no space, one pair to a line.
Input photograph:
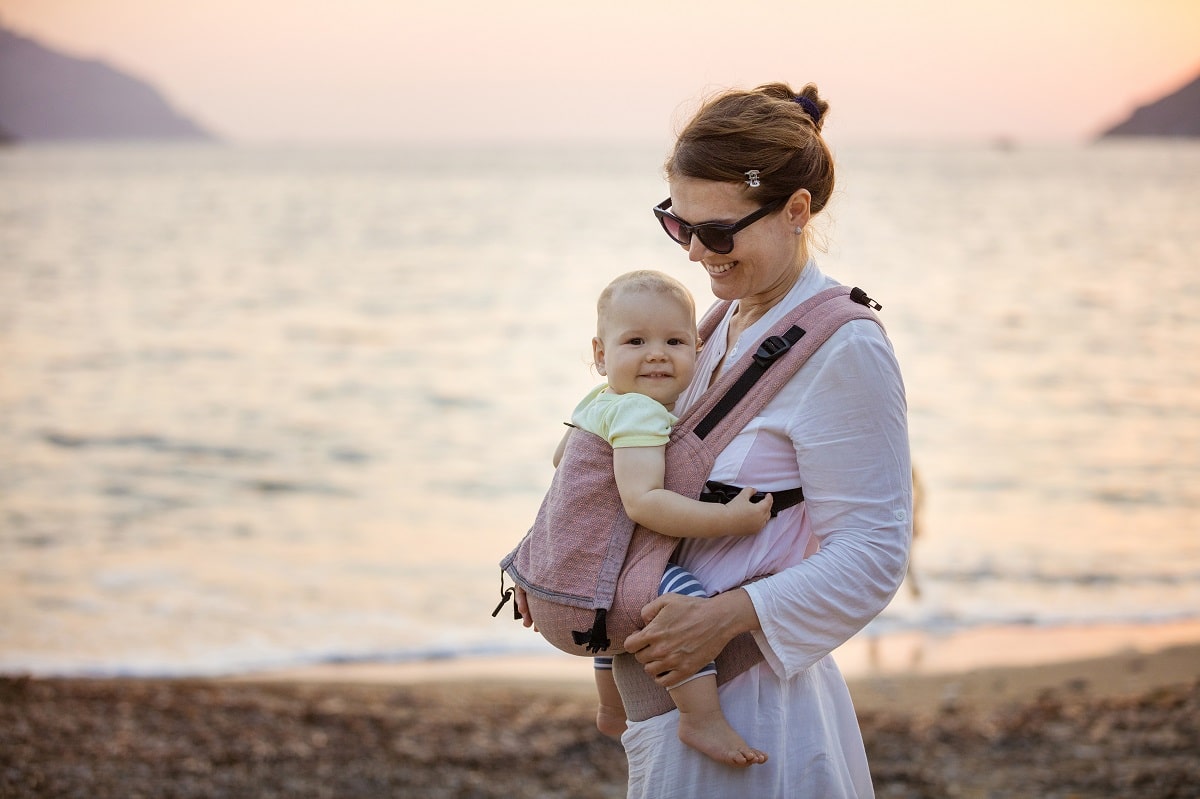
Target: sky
[630,70]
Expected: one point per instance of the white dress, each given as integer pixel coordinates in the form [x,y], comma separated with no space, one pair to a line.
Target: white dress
[839,429]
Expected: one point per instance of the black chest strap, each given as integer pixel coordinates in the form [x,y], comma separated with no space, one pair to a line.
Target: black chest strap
[724,493]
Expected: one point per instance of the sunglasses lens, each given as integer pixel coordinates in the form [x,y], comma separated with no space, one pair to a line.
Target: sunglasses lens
[675,230]
[715,239]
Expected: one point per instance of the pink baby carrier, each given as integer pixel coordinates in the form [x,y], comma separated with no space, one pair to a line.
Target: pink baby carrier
[586,567]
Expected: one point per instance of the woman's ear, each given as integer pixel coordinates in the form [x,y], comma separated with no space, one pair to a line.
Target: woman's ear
[799,208]
[598,355]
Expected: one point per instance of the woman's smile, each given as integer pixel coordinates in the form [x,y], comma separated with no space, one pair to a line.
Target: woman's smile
[716,270]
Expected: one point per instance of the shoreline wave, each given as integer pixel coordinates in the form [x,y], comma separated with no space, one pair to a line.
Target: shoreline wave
[914,651]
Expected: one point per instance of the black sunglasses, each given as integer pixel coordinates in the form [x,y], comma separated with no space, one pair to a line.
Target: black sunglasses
[716,236]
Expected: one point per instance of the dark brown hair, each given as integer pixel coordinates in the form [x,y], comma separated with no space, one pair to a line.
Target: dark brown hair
[769,129]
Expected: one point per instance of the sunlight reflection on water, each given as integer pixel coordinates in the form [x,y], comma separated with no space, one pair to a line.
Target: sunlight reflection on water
[262,408]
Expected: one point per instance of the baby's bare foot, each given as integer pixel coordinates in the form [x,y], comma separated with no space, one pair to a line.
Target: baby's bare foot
[710,734]
[610,720]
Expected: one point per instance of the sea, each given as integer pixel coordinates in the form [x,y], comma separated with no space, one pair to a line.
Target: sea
[268,407]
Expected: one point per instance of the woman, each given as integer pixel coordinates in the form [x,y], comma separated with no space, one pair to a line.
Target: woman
[747,175]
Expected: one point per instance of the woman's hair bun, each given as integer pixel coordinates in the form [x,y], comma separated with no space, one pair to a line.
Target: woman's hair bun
[809,107]
[807,99]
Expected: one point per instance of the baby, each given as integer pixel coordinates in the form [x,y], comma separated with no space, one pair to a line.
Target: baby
[646,345]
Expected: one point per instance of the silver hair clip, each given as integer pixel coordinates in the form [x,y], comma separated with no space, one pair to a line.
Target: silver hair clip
[752,178]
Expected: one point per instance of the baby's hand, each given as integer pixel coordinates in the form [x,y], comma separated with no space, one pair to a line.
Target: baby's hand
[746,517]
[523,607]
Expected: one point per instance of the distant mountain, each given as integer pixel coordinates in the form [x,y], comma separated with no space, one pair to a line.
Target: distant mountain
[1177,114]
[48,96]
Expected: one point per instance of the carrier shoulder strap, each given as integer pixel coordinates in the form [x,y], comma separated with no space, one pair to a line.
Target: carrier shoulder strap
[786,342]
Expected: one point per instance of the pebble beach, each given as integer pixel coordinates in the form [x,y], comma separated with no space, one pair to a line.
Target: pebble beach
[1125,725]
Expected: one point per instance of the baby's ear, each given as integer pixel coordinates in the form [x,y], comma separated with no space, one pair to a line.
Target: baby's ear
[598,356]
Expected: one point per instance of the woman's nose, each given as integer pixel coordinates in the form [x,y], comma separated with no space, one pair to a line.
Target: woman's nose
[696,249]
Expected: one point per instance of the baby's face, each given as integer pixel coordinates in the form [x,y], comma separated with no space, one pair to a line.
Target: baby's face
[647,345]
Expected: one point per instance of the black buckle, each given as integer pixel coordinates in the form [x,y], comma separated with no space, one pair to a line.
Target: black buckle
[771,349]
[726,493]
[860,296]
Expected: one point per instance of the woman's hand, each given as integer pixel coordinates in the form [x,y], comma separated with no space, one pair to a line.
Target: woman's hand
[683,634]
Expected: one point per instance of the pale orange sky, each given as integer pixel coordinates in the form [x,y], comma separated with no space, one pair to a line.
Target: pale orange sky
[383,70]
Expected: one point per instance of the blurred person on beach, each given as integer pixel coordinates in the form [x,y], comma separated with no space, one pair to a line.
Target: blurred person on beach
[645,346]
[747,175]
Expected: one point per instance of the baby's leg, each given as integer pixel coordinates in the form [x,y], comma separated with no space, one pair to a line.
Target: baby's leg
[610,716]
[702,724]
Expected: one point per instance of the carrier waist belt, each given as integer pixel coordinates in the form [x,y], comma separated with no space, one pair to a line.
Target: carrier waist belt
[725,493]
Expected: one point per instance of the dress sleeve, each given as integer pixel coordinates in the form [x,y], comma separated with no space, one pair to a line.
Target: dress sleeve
[850,434]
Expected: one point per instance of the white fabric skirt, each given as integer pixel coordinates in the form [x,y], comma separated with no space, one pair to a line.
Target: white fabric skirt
[806,725]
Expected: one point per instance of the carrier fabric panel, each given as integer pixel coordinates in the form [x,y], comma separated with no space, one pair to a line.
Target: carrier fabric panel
[567,557]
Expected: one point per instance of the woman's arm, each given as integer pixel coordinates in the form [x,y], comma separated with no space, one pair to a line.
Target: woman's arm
[850,436]
[639,472]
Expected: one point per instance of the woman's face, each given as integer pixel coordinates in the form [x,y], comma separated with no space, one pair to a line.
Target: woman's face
[767,256]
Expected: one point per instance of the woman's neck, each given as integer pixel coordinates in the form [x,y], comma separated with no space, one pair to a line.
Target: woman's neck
[751,309]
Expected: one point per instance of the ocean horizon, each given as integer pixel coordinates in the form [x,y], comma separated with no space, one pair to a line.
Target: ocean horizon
[264,408]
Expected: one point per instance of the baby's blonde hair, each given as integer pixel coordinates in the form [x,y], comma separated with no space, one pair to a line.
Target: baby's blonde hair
[644,280]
